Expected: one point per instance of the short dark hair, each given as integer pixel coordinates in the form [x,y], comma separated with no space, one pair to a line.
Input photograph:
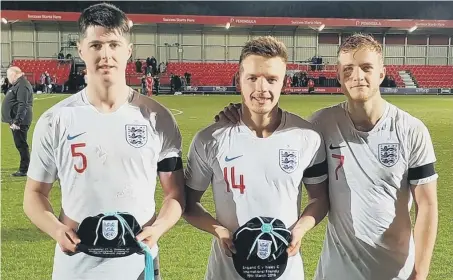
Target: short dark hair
[266,46]
[105,15]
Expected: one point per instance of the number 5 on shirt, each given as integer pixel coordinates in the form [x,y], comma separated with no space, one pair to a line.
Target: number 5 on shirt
[76,153]
[241,185]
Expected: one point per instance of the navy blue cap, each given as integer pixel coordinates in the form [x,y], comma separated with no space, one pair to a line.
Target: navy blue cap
[261,246]
[106,236]
[113,235]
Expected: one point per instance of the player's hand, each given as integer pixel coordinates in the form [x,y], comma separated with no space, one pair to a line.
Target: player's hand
[296,238]
[149,235]
[14,126]
[229,113]
[67,239]
[225,238]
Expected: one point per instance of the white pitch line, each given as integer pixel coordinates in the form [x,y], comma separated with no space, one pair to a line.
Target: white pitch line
[176,112]
[48,97]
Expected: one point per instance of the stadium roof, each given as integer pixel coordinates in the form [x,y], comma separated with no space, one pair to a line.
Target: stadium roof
[335,25]
[440,10]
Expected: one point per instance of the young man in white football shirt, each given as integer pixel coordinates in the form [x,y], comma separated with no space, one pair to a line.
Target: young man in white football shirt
[380,158]
[257,167]
[106,145]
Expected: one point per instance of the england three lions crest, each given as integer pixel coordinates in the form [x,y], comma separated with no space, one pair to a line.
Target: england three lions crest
[388,154]
[289,160]
[264,249]
[109,229]
[136,135]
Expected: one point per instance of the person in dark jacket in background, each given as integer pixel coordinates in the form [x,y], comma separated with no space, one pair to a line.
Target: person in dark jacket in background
[153,61]
[5,85]
[17,111]
[143,84]
[188,77]
[138,66]
[156,84]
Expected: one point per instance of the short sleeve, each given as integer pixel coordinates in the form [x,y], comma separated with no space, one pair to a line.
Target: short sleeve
[422,156]
[315,120]
[198,172]
[42,166]
[317,171]
[170,136]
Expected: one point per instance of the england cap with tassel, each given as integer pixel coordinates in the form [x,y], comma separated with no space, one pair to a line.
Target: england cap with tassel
[113,235]
[261,246]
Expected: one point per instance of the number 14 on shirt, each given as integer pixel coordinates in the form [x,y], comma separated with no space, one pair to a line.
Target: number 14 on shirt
[231,177]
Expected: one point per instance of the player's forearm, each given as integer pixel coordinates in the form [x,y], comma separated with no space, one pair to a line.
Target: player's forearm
[198,217]
[425,233]
[169,215]
[174,201]
[38,209]
[313,213]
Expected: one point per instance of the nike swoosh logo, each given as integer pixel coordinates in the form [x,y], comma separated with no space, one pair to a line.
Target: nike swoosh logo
[75,136]
[334,148]
[233,158]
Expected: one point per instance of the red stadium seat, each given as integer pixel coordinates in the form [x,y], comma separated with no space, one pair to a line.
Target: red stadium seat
[34,68]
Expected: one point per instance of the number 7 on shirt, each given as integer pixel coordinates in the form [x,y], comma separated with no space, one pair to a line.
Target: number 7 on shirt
[340,164]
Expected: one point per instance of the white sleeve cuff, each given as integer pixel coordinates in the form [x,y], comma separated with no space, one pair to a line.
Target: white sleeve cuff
[170,153]
[314,180]
[41,176]
[424,180]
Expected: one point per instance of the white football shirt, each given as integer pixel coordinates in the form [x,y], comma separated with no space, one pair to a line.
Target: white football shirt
[253,176]
[369,233]
[105,162]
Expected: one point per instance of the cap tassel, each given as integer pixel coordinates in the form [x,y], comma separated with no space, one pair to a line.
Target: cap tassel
[149,265]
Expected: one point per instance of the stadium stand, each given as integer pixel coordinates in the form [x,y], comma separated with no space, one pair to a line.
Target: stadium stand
[221,74]
[416,59]
[424,76]
[432,76]
[35,68]
[217,73]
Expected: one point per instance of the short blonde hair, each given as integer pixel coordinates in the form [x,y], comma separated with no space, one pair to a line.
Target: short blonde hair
[266,46]
[359,41]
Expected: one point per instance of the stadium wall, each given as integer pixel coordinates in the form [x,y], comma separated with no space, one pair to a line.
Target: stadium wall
[23,40]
